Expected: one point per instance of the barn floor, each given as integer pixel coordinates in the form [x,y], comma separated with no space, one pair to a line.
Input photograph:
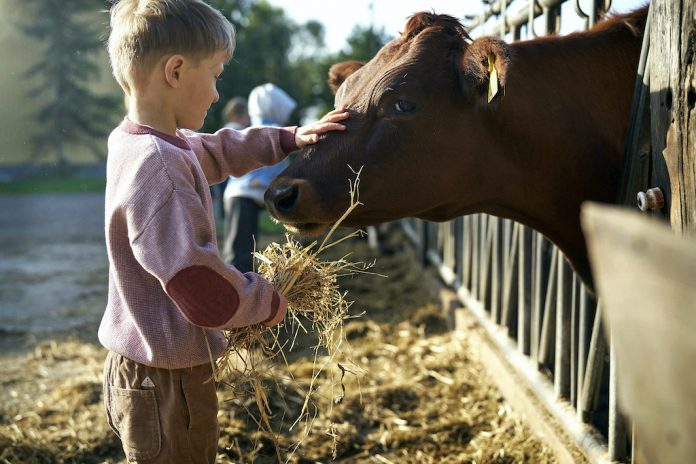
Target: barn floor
[409,391]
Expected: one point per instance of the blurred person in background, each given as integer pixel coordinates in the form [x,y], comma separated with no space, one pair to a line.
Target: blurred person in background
[268,105]
[235,115]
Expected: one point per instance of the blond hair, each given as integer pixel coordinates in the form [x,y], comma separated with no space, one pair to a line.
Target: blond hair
[144,31]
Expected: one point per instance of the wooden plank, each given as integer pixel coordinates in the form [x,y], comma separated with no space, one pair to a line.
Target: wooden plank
[645,278]
[673,114]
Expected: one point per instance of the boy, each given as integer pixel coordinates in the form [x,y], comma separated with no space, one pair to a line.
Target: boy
[170,294]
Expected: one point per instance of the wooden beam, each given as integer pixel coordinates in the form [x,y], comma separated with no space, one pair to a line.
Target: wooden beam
[673,115]
[645,275]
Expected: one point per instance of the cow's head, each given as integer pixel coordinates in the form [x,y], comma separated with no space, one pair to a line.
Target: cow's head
[417,131]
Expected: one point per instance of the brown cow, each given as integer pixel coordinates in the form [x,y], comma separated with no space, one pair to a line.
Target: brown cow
[431,146]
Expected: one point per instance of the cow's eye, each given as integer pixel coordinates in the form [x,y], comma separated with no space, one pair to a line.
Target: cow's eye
[404,106]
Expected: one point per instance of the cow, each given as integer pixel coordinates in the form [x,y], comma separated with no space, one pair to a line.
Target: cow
[442,126]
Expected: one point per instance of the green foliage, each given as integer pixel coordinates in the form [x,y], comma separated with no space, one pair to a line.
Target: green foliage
[364,43]
[53,184]
[267,225]
[69,112]
[273,48]
[270,48]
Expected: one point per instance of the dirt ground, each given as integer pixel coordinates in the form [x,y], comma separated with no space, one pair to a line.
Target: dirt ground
[405,391]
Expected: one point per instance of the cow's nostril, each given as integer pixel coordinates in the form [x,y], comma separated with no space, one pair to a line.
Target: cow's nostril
[285,197]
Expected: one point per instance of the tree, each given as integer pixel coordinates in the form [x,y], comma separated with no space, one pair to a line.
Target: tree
[264,36]
[362,45]
[70,111]
[273,48]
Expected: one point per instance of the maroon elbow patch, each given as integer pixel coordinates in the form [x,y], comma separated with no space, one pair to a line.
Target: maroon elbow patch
[275,305]
[204,296]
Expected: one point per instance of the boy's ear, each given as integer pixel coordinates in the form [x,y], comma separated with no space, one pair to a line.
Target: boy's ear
[483,69]
[172,69]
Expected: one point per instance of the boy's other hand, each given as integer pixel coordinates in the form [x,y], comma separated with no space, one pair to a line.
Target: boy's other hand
[309,134]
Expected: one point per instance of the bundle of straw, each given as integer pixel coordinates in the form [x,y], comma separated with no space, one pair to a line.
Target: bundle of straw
[310,286]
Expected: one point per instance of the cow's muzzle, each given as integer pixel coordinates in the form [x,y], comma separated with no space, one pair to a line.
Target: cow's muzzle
[281,199]
[295,203]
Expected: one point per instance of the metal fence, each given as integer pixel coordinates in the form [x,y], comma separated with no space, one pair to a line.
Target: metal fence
[522,291]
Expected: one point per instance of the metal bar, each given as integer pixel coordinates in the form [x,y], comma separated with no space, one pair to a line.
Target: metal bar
[595,368]
[506,236]
[552,19]
[511,20]
[503,13]
[475,254]
[561,372]
[531,15]
[617,426]
[496,270]
[486,250]
[484,257]
[536,297]
[524,290]
[466,251]
[548,328]
[411,233]
[583,346]
[458,247]
[574,321]
[509,279]
[588,440]
[494,8]
[450,245]
[425,243]
[635,171]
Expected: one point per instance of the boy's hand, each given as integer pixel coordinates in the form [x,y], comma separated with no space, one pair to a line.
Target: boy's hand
[306,135]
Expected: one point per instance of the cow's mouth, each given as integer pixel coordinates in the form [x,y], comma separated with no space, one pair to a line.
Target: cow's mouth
[308,228]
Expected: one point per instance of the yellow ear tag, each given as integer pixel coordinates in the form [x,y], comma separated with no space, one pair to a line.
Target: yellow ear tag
[492,78]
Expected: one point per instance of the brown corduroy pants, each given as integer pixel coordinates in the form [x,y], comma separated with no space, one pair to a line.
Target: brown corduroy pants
[162,415]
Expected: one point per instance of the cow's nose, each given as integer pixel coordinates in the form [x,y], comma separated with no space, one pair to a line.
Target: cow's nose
[282,198]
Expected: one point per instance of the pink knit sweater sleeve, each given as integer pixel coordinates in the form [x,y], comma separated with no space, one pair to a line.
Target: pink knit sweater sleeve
[229,152]
[173,240]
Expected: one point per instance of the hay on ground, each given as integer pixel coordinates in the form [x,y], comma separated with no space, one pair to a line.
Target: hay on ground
[315,305]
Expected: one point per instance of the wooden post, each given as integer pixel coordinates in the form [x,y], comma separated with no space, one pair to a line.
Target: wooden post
[645,276]
[673,98]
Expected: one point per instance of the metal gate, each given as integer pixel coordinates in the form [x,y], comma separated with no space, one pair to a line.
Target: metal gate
[522,291]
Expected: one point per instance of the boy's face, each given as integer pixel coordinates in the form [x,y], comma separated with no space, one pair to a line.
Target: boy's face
[198,90]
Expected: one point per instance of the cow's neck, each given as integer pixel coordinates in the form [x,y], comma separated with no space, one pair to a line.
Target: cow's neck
[563,121]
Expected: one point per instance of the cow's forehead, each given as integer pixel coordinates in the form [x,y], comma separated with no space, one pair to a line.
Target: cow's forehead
[357,89]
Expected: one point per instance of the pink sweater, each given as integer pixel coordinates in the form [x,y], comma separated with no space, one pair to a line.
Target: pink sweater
[168,287]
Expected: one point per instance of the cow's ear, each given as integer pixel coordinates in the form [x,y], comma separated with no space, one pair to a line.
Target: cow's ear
[484,68]
[339,72]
